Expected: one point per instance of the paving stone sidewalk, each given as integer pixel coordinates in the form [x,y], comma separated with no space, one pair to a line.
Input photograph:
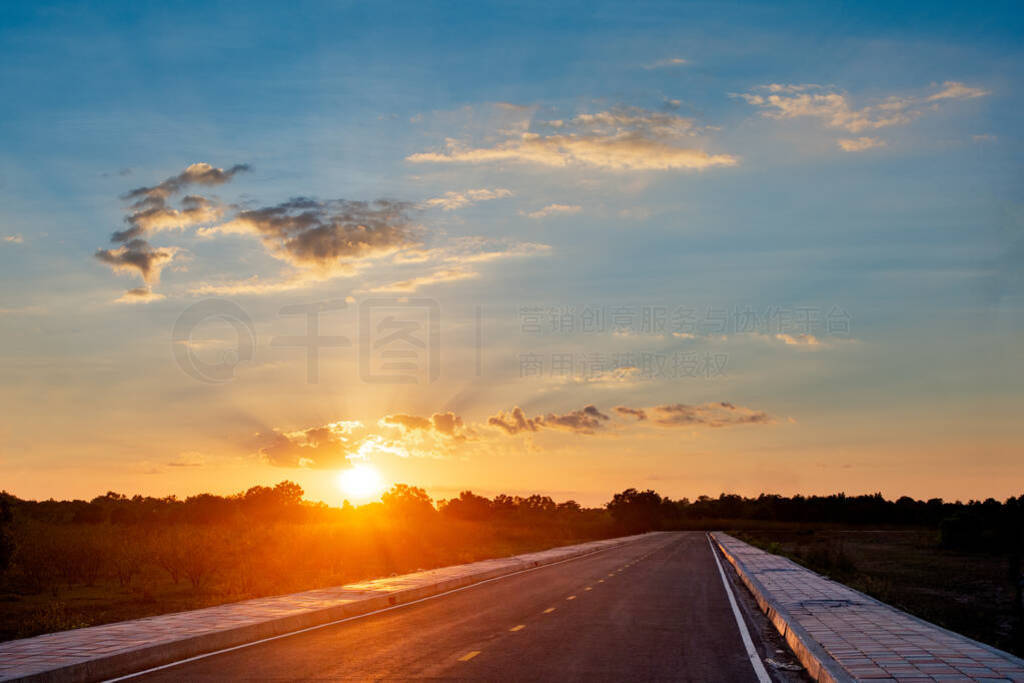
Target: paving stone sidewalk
[100,652]
[865,639]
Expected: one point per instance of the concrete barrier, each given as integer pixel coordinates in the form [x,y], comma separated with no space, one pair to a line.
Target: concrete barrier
[840,634]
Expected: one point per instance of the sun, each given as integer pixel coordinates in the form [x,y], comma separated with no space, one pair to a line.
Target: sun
[360,482]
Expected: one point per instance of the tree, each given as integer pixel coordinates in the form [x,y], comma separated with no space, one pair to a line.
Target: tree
[468,506]
[6,538]
[637,511]
[408,502]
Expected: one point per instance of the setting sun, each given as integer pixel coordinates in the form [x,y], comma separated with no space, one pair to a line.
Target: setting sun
[360,482]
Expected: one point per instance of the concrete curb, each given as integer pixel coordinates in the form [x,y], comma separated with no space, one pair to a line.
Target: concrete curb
[819,664]
[123,662]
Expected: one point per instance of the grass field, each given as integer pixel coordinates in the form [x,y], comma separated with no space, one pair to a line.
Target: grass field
[970,593]
[288,563]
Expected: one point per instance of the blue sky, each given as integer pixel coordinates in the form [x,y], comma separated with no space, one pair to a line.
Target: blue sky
[863,158]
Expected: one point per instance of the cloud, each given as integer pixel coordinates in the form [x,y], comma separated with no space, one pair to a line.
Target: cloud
[437,277]
[586,420]
[139,256]
[459,254]
[953,90]
[451,201]
[639,413]
[319,240]
[196,174]
[150,212]
[859,144]
[798,340]
[446,424]
[337,444]
[552,209]
[465,250]
[723,414]
[328,446]
[138,295]
[14,239]
[324,235]
[834,109]
[663,63]
[257,285]
[408,422]
[195,210]
[621,139]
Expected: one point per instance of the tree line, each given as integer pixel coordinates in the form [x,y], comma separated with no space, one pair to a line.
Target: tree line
[962,524]
[147,555]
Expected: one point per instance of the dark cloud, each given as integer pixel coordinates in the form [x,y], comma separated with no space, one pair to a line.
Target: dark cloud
[157,215]
[150,211]
[514,422]
[138,255]
[639,413]
[584,421]
[326,235]
[723,414]
[196,174]
[446,424]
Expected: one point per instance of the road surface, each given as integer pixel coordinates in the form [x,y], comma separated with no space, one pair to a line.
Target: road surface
[656,609]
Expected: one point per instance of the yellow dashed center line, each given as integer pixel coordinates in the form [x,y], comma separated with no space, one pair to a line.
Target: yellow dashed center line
[520,627]
[588,588]
[600,580]
[571,597]
[469,655]
[549,610]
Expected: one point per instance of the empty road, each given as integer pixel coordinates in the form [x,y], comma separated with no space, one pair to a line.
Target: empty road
[653,609]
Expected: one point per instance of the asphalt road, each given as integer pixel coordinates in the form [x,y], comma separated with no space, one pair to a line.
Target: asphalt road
[651,610]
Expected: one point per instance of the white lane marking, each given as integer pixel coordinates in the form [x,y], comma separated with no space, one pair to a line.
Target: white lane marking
[755,659]
[352,618]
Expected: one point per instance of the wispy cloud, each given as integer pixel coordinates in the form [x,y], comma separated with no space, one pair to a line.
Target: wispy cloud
[255,284]
[835,109]
[621,139]
[715,415]
[859,144]
[450,201]
[552,209]
[798,339]
[665,63]
[436,277]
[446,424]
[139,295]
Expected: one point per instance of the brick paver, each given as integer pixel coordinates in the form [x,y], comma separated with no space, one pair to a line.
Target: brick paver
[20,658]
[867,638]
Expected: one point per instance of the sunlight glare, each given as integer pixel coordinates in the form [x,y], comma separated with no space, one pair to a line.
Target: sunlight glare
[360,482]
